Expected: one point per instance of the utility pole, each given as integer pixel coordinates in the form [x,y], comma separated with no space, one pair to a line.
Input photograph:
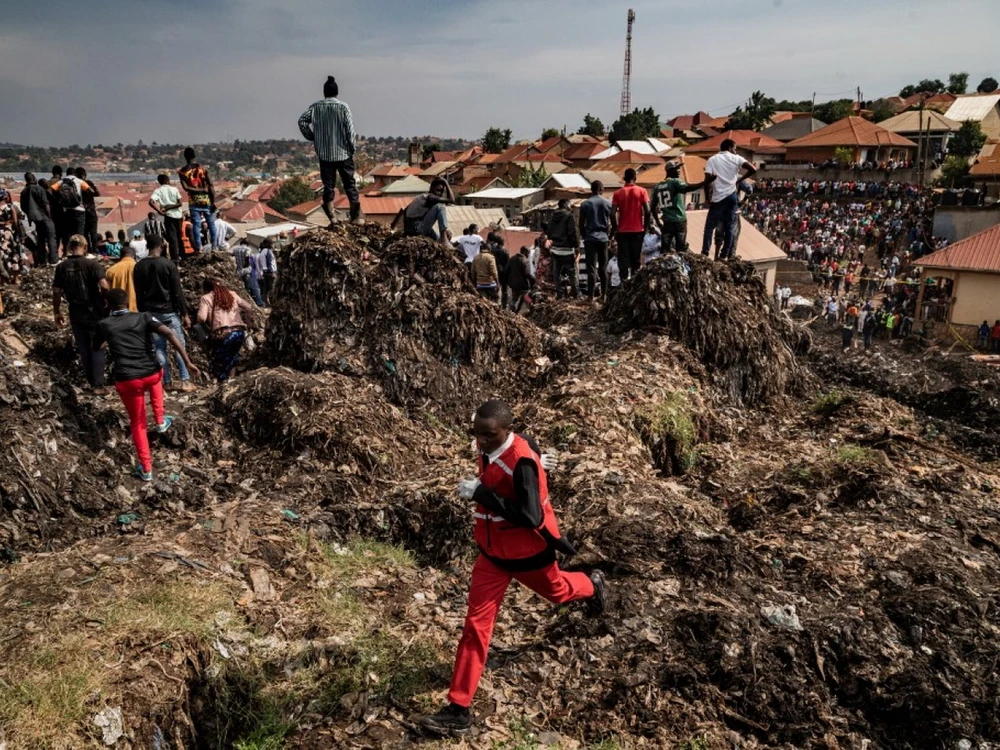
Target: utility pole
[812,107]
[921,148]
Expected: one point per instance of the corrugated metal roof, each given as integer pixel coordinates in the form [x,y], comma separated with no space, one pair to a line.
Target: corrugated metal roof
[462,216]
[569,181]
[610,180]
[973,107]
[501,194]
[980,252]
[910,122]
[383,206]
[411,184]
[752,245]
[793,127]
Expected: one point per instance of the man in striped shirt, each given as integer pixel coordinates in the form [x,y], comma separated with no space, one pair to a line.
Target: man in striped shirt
[328,124]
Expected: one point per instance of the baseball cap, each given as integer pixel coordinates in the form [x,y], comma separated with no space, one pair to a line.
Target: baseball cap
[136,233]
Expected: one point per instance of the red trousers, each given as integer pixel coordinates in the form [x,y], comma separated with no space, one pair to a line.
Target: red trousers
[489,584]
[133,395]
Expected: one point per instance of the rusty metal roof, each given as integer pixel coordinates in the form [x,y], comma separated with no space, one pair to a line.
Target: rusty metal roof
[980,252]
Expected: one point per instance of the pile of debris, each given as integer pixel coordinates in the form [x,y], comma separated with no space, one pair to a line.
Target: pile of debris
[721,311]
[409,318]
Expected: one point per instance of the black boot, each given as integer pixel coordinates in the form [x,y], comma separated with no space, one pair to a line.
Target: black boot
[449,721]
[597,603]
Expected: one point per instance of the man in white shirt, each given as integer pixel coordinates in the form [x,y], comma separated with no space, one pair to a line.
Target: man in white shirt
[138,245]
[223,233]
[470,243]
[722,173]
[166,201]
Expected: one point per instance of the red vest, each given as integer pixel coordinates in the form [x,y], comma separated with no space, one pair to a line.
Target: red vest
[494,535]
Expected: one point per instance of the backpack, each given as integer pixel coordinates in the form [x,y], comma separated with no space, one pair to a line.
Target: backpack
[69,195]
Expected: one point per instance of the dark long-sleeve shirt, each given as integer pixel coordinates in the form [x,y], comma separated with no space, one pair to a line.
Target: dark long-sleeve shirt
[35,203]
[526,507]
[562,229]
[158,286]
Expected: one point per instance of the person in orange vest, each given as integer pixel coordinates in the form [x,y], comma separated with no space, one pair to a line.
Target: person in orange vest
[518,536]
[187,237]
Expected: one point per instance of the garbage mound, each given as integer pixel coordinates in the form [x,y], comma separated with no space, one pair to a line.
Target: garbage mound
[722,312]
[409,318]
[343,420]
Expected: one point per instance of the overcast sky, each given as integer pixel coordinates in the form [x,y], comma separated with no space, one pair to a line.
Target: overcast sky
[179,71]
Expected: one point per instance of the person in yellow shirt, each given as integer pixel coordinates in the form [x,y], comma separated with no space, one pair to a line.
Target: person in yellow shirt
[120,276]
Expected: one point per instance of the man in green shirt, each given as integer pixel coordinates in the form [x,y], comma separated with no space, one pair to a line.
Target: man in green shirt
[668,198]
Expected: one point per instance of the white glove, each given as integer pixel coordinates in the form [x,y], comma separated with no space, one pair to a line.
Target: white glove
[550,462]
[467,488]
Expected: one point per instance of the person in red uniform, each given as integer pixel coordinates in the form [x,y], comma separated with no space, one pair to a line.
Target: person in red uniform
[518,536]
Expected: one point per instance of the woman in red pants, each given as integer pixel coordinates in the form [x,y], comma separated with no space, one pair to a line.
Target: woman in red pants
[129,336]
[518,536]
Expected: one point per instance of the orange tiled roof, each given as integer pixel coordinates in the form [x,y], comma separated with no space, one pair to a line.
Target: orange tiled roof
[988,166]
[851,131]
[750,140]
[980,252]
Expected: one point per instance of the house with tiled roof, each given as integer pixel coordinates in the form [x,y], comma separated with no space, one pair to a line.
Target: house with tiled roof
[583,154]
[986,169]
[865,140]
[688,122]
[964,280]
[692,172]
[750,144]
[310,212]
[248,211]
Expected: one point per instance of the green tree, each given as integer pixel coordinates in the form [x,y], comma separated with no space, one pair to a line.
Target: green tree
[968,140]
[843,156]
[958,83]
[291,193]
[550,133]
[880,110]
[591,126]
[429,149]
[754,115]
[636,125]
[530,177]
[987,86]
[496,140]
[955,172]
[830,112]
[926,86]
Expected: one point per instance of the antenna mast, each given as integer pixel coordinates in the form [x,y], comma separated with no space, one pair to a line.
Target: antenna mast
[626,104]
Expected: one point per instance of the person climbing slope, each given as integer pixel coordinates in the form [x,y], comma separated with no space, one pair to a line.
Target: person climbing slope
[129,337]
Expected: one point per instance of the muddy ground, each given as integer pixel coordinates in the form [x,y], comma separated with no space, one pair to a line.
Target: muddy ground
[802,546]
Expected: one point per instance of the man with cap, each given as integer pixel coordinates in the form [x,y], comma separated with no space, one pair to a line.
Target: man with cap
[669,210]
[329,125]
[138,245]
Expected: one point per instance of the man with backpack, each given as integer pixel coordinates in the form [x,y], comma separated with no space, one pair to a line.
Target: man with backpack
[82,282]
[89,207]
[70,189]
